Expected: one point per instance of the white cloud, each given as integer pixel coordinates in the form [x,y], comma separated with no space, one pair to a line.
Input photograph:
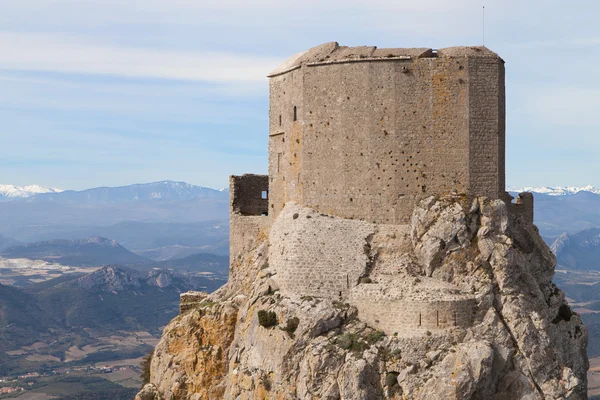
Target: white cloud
[55,53]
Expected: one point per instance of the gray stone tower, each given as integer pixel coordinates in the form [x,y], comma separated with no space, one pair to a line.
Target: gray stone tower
[364,133]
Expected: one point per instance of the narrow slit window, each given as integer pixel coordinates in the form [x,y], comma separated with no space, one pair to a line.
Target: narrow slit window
[295,113]
[280,120]
[264,195]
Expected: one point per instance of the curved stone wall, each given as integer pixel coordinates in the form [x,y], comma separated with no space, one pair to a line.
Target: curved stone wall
[318,255]
[412,305]
[410,318]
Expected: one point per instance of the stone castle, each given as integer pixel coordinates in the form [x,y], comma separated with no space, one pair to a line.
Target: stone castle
[381,258]
[357,137]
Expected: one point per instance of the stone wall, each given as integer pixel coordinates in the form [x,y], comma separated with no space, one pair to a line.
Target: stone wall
[363,133]
[245,234]
[486,127]
[248,219]
[248,194]
[409,318]
[522,208]
[324,256]
[407,305]
[318,255]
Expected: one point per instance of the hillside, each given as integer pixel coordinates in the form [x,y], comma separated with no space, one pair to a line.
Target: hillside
[119,298]
[94,251]
[21,319]
[111,314]
[578,251]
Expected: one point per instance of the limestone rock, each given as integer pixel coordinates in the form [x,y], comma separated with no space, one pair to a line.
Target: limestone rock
[462,373]
[148,392]
[491,324]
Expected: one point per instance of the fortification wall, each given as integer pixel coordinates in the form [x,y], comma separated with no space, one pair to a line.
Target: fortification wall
[522,209]
[364,133]
[245,233]
[410,318]
[317,255]
[248,194]
[248,219]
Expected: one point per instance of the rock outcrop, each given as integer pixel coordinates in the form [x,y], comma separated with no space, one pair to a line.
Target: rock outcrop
[518,340]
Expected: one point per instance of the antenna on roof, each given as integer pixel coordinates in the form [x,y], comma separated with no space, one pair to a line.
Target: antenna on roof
[483,27]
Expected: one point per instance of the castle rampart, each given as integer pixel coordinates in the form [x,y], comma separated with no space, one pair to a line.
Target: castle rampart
[410,318]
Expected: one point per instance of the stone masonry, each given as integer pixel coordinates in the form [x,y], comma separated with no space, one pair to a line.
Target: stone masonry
[357,138]
[364,133]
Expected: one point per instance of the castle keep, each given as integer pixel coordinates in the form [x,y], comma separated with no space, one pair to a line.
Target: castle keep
[381,257]
[357,137]
[364,132]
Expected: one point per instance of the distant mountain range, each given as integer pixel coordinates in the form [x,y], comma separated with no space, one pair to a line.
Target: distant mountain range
[557,191]
[116,297]
[98,251]
[113,299]
[159,220]
[169,220]
[14,192]
[164,190]
[95,251]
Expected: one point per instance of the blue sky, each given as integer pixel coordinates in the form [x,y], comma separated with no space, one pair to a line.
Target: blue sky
[113,92]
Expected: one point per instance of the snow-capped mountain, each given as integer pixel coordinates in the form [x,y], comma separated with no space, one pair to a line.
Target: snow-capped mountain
[557,191]
[25,191]
[163,190]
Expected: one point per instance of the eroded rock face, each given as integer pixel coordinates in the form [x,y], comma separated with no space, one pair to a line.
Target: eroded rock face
[522,340]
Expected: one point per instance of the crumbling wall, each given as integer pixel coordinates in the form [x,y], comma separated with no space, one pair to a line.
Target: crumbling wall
[522,209]
[324,256]
[249,204]
[249,194]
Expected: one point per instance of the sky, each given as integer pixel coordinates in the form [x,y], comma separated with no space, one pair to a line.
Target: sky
[114,92]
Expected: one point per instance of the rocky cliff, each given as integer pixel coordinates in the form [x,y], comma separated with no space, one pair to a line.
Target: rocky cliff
[254,339]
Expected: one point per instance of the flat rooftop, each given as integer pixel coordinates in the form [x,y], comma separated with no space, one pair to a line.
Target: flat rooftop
[333,53]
